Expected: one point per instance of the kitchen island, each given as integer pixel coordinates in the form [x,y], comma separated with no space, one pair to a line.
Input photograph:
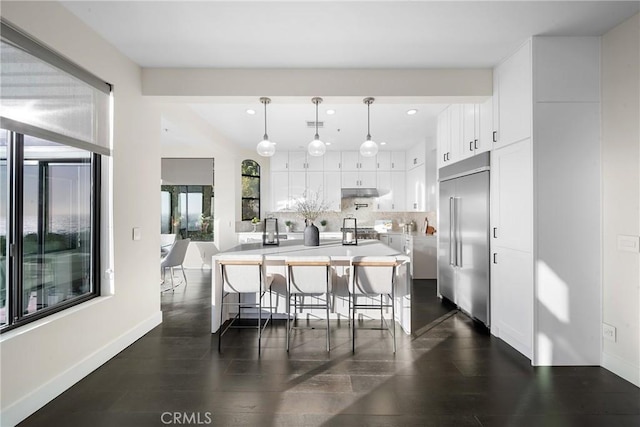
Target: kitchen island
[341,257]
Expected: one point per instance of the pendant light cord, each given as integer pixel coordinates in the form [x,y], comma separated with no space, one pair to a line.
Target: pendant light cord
[317,136]
[368,120]
[265,121]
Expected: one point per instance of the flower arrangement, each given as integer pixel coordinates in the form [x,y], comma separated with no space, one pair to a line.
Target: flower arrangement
[255,220]
[311,206]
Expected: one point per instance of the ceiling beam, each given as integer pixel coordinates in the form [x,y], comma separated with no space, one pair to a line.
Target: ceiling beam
[314,82]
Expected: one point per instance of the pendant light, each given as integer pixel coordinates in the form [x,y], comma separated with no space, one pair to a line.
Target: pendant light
[265,147]
[317,147]
[368,148]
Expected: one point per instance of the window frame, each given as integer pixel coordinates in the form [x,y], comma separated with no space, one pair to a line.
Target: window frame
[243,198]
[14,241]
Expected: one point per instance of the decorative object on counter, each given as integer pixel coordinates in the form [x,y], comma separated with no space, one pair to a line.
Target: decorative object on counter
[270,235]
[316,147]
[255,221]
[310,207]
[265,147]
[368,148]
[323,225]
[311,235]
[288,226]
[349,231]
[427,228]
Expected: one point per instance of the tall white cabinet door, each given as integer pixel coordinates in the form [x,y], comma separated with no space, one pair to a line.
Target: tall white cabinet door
[416,191]
[515,97]
[279,161]
[468,130]
[457,141]
[398,191]
[512,298]
[279,190]
[383,202]
[368,164]
[333,190]
[332,161]
[444,137]
[512,196]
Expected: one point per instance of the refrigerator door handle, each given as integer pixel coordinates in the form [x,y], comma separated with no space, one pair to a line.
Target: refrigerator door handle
[451,230]
[458,237]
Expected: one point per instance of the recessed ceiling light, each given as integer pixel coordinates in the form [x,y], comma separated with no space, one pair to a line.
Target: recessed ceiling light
[331,112]
[327,143]
[412,111]
[383,143]
[251,112]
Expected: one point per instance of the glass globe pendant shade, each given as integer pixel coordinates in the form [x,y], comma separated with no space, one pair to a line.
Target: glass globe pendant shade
[368,148]
[266,148]
[316,147]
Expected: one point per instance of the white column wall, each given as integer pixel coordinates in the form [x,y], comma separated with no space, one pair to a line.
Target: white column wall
[621,195]
[42,359]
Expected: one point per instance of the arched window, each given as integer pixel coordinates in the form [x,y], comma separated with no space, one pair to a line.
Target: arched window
[250,190]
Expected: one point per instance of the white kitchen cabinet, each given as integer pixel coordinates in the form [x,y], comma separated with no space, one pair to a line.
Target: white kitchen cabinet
[416,189]
[302,161]
[315,184]
[297,186]
[392,189]
[444,137]
[279,161]
[332,161]
[422,250]
[514,92]
[456,146]
[416,155]
[394,240]
[353,161]
[362,179]
[333,190]
[470,129]
[485,140]
[279,190]
[391,160]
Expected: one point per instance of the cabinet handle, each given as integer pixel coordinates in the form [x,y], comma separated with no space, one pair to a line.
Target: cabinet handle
[495,258]
[444,157]
[393,165]
[339,165]
[393,206]
[470,145]
[495,233]
[415,206]
[415,160]
[378,166]
[495,136]
[286,165]
[475,144]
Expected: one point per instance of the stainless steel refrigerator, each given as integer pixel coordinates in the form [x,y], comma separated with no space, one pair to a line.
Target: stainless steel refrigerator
[463,236]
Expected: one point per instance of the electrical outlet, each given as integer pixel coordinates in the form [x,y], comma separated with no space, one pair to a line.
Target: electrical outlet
[609,332]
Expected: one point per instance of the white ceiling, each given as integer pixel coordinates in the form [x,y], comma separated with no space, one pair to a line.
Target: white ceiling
[330,34]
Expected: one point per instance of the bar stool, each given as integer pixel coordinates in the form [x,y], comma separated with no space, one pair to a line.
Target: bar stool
[308,276]
[372,277]
[244,274]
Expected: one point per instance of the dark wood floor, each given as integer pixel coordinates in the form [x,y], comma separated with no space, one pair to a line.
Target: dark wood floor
[449,373]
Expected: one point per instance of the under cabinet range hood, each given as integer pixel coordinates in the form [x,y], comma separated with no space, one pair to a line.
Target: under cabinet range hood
[359,192]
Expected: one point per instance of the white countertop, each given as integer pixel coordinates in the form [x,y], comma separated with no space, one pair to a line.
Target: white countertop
[331,248]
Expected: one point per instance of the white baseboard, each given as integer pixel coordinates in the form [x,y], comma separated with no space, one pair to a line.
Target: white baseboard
[621,368]
[35,400]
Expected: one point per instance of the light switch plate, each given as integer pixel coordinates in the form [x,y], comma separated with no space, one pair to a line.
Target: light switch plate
[137,233]
[608,332]
[628,243]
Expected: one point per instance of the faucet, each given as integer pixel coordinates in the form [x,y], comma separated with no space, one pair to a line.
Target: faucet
[361,205]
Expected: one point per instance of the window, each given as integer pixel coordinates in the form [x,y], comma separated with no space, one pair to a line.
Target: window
[54,132]
[250,190]
[187,210]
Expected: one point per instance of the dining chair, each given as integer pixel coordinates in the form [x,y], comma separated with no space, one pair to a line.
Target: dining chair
[175,258]
[308,277]
[244,274]
[373,277]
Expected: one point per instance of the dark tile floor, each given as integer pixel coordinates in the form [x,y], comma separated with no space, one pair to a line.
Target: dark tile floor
[448,373]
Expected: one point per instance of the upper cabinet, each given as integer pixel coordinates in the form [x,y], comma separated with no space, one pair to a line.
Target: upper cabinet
[302,161]
[353,161]
[416,155]
[332,161]
[279,161]
[391,161]
[513,90]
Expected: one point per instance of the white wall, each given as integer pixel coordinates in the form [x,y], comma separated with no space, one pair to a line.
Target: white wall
[621,195]
[44,358]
